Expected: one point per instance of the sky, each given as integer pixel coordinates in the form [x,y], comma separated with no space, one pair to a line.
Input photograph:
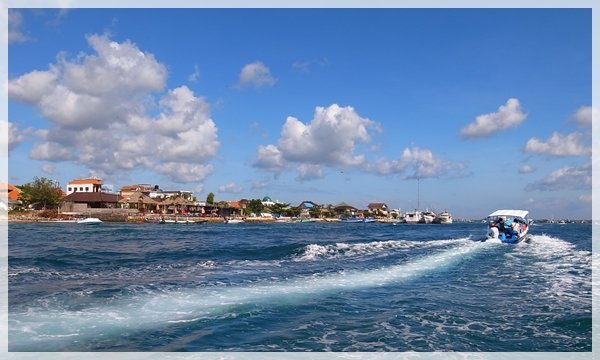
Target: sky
[465,110]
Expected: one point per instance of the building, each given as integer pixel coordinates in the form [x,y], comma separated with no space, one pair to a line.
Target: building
[12,196]
[166,194]
[305,207]
[84,185]
[343,209]
[146,189]
[378,208]
[81,201]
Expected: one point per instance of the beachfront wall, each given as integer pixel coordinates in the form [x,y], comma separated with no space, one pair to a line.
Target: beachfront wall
[83,201]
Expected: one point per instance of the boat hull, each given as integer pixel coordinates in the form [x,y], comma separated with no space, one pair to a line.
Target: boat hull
[90,221]
[508,226]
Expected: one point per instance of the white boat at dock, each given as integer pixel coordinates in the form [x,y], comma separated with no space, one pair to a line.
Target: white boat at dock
[443,218]
[89,221]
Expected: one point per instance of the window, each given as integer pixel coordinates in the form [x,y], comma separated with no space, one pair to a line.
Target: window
[69,189]
[87,188]
[81,188]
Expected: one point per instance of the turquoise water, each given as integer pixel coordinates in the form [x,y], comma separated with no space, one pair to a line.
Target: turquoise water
[297,287]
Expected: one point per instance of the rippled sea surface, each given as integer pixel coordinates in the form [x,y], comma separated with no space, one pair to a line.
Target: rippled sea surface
[297,287]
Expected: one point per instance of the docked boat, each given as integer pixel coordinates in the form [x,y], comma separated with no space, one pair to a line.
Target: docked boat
[412,217]
[352,219]
[508,226]
[427,217]
[89,221]
[233,221]
[443,218]
[178,220]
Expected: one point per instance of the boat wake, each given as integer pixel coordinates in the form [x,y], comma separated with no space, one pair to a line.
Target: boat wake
[60,329]
[341,250]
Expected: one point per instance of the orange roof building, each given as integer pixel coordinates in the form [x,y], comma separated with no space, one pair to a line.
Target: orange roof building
[84,185]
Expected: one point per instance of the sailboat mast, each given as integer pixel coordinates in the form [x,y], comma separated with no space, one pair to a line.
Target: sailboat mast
[418,193]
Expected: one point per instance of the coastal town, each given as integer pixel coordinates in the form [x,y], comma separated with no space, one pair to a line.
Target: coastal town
[149,203]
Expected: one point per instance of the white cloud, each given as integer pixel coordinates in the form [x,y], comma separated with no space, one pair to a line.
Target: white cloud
[566,178]
[270,158]
[508,115]
[526,169]
[559,145]
[585,198]
[230,188]
[184,172]
[309,172]
[584,115]
[305,66]
[256,74]
[98,106]
[51,151]
[92,90]
[195,75]
[15,23]
[49,169]
[260,184]
[329,139]
[15,135]
[416,162]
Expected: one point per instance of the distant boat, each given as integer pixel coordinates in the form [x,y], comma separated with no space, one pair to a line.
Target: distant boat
[412,217]
[177,220]
[89,221]
[233,221]
[427,217]
[443,218]
[508,226]
[352,219]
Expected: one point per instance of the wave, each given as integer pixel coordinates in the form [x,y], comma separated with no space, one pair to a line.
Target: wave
[338,250]
[32,329]
[566,270]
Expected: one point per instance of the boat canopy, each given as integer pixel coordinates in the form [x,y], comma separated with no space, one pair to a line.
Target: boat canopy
[510,213]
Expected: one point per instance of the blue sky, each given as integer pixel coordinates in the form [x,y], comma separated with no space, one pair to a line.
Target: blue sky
[489,108]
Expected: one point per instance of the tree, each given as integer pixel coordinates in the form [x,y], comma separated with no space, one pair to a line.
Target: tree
[210,198]
[255,206]
[41,191]
[279,209]
[314,212]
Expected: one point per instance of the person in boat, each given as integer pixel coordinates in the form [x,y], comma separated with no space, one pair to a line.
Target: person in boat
[500,225]
[515,227]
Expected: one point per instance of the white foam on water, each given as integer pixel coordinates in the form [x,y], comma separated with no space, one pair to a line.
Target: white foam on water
[30,330]
[338,250]
[566,268]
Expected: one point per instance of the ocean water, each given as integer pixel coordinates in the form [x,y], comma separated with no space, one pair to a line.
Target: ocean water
[297,287]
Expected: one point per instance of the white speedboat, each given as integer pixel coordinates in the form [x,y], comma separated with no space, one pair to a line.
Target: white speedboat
[508,226]
[233,221]
[89,221]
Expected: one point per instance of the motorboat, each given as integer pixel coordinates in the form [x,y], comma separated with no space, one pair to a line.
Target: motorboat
[443,218]
[233,221]
[427,217]
[508,226]
[412,217]
[89,221]
[352,219]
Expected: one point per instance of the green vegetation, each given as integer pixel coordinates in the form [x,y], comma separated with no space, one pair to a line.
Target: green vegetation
[43,192]
[210,198]
[255,206]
